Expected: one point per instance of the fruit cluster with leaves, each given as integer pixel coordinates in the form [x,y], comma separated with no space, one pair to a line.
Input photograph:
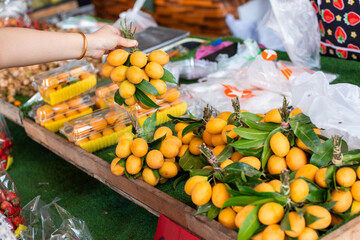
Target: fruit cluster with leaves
[271,176]
[141,78]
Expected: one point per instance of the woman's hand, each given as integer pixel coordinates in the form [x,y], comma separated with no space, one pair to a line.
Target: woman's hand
[106,38]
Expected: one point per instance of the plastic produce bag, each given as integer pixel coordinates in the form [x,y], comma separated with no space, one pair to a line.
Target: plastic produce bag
[12,12]
[52,222]
[10,204]
[295,22]
[335,108]
[6,144]
[139,19]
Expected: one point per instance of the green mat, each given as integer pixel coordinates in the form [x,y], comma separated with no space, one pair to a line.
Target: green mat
[37,171]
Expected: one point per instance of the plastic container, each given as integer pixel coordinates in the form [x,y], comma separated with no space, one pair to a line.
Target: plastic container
[54,117]
[104,95]
[6,144]
[176,102]
[98,130]
[66,82]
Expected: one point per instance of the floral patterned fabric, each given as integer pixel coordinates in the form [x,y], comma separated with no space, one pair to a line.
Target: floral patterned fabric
[339,22]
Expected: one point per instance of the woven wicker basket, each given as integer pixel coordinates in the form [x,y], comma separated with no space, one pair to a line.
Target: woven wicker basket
[199,17]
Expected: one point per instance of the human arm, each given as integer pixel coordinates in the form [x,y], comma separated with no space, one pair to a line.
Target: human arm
[21,46]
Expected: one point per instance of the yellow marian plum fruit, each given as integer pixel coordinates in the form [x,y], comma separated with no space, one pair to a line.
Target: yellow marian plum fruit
[106,70]
[219,195]
[180,126]
[308,234]
[183,150]
[345,176]
[194,144]
[279,144]
[273,232]
[191,182]
[273,116]
[299,189]
[264,187]
[149,177]
[138,59]
[154,70]
[159,56]
[227,217]
[139,147]
[215,126]
[133,165]
[116,168]
[186,139]
[201,193]
[117,57]
[297,225]
[161,131]
[242,214]
[134,75]
[123,149]
[322,213]
[343,200]
[224,115]
[296,158]
[355,190]
[295,112]
[160,85]
[228,132]
[118,74]
[168,169]
[169,148]
[276,184]
[252,161]
[276,165]
[320,177]
[127,89]
[308,171]
[226,163]
[155,159]
[270,213]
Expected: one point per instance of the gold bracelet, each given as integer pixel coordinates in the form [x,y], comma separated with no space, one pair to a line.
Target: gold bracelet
[85,46]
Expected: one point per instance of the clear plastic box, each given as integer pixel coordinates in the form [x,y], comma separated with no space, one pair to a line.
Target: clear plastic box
[98,130]
[54,117]
[104,94]
[63,83]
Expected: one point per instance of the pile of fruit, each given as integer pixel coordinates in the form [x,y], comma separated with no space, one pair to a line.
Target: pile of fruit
[6,146]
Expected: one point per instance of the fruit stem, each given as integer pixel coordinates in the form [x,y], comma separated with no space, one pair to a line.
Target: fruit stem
[285,125]
[211,158]
[285,182]
[337,156]
[128,33]
[236,106]
[139,131]
[207,113]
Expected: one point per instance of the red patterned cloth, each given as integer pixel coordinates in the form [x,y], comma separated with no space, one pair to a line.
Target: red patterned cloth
[339,22]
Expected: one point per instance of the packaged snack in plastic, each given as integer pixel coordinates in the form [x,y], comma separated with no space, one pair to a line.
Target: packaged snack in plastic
[104,94]
[52,222]
[99,129]
[138,19]
[176,102]
[54,117]
[63,83]
[10,204]
[6,144]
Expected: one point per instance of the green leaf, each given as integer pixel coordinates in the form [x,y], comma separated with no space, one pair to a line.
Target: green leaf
[204,208]
[251,133]
[156,173]
[168,77]
[183,119]
[112,155]
[328,205]
[250,225]
[317,196]
[191,127]
[264,126]
[122,162]
[312,186]
[201,172]
[344,146]
[149,127]
[225,154]
[156,144]
[306,134]
[250,116]
[325,154]
[302,118]
[248,191]
[245,143]
[189,161]
[233,178]
[285,223]
[118,99]
[353,155]
[246,200]
[238,167]
[141,96]
[147,87]
[256,152]
[309,218]
[266,153]
[179,180]
[213,212]
[329,176]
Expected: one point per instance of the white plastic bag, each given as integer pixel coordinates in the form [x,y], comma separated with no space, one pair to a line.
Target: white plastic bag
[295,22]
[139,19]
[335,108]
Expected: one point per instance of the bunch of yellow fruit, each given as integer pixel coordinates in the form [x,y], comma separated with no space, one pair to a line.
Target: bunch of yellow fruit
[129,71]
